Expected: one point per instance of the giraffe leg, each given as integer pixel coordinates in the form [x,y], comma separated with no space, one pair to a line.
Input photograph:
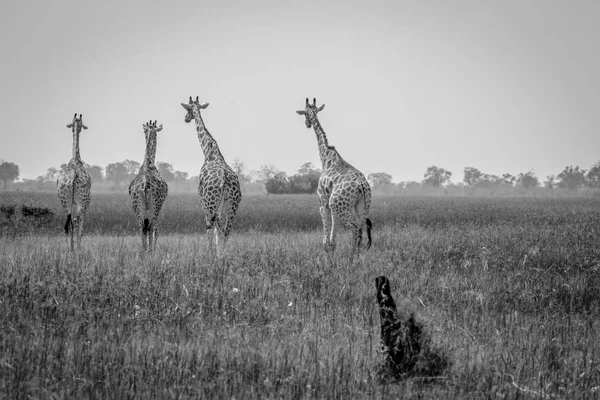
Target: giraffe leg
[151,237]
[144,237]
[356,239]
[80,217]
[74,227]
[224,221]
[326,219]
[210,228]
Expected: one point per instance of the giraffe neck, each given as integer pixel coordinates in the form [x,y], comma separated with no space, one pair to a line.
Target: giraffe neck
[76,155]
[150,154]
[207,142]
[324,148]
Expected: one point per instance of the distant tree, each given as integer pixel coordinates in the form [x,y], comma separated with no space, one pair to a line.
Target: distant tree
[308,169]
[528,180]
[117,173]
[51,174]
[9,172]
[266,172]
[181,176]
[306,180]
[593,176]
[508,179]
[95,172]
[571,178]
[379,179]
[240,169]
[278,184]
[165,169]
[472,176]
[550,183]
[132,167]
[436,176]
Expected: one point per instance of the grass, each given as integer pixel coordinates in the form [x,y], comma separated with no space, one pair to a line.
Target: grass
[510,289]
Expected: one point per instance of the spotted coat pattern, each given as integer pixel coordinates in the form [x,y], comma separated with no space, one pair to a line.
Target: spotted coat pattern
[148,191]
[344,192]
[219,186]
[74,187]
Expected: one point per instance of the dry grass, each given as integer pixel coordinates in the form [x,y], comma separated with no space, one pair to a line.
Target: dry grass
[509,288]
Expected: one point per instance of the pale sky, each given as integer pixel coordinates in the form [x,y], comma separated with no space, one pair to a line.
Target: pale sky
[503,86]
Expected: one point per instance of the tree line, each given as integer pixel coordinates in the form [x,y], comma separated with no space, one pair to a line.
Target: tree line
[270,179]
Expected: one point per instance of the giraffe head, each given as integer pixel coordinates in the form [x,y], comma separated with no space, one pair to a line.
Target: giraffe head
[150,128]
[190,108]
[77,124]
[310,112]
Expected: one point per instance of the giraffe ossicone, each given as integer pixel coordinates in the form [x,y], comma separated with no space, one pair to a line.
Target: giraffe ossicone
[344,192]
[219,186]
[74,187]
[148,190]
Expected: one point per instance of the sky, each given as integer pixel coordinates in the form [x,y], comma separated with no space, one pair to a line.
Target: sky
[503,86]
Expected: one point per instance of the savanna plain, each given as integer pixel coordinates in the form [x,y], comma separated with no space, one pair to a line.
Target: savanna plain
[508,289]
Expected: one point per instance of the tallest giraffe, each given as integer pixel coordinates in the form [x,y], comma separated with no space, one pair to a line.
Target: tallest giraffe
[344,192]
[219,186]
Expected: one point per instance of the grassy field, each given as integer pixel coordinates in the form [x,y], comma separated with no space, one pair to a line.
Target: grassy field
[509,289]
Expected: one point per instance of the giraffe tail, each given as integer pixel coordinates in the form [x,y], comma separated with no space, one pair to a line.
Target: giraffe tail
[147,195]
[73,209]
[369,227]
[68,224]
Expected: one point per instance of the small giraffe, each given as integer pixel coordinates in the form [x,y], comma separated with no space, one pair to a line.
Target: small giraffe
[219,186]
[344,192]
[74,186]
[148,190]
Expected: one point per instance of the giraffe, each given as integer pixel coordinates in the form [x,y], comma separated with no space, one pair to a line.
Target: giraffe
[344,192]
[219,186]
[148,190]
[74,186]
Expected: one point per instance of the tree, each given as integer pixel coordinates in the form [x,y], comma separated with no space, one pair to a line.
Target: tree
[508,179]
[593,176]
[165,169]
[549,183]
[306,180]
[240,169]
[95,172]
[132,167]
[117,173]
[266,172]
[436,176]
[527,180]
[472,176]
[181,176]
[278,184]
[9,172]
[379,179]
[308,169]
[51,174]
[571,177]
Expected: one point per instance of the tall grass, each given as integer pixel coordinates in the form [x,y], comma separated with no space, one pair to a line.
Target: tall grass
[509,288]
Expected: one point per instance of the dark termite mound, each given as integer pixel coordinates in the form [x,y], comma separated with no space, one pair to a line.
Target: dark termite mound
[407,347]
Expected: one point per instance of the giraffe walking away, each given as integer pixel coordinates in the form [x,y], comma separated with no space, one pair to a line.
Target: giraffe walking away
[74,187]
[148,191]
[344,192]
[219,186]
